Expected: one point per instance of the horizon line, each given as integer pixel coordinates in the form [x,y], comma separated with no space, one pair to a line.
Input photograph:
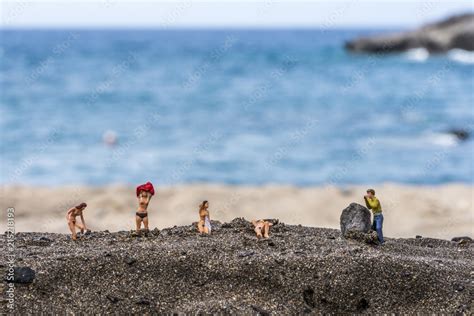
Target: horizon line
[204,27]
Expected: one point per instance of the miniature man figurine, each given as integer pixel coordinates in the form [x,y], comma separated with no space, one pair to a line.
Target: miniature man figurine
[262,228]
[71,215]
[374,204]
[204,224]
[144,194]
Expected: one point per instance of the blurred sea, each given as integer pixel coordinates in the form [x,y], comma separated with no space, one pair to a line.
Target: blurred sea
[228,106]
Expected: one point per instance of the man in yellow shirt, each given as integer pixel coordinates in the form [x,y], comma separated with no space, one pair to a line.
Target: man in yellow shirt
[374,204]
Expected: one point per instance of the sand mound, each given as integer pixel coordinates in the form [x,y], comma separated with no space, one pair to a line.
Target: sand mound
[299,270]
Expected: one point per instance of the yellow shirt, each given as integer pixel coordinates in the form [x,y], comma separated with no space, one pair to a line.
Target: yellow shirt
[374,205]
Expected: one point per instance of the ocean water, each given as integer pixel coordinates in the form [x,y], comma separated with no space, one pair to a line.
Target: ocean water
[230,106]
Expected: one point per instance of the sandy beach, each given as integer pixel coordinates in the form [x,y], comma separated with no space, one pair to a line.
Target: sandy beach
[431,211]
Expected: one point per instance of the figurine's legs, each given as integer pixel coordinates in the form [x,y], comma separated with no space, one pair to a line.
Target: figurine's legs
[81,227]
[72,227]
[258,231]
[378,219]
[266,230]
[145,222]
[138,222]
[200,227]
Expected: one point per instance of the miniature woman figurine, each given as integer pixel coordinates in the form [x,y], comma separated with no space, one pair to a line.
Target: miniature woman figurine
[144,194]
[204,225]
[71,215]
[262,228]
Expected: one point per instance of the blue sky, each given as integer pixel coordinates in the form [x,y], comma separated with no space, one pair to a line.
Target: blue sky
[221,14]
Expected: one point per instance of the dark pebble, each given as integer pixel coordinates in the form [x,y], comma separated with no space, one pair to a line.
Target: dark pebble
[459,287]
[143,301]
[362,305]
[130,260]
[260,311]
[246,254]
[406,274]
[462,239]
[308,297]
[22,275]
[279,261]
[113,299]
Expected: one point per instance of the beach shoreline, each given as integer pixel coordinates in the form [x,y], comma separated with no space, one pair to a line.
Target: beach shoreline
[442,211]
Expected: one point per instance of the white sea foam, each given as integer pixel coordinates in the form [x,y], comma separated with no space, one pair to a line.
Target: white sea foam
[421,141]
[462,56]
[445,140]
[417,54]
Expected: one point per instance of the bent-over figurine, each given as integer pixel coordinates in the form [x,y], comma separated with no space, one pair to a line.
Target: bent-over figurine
[71,215]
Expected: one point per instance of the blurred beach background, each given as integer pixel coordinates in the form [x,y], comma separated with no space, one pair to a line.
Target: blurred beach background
[274,121]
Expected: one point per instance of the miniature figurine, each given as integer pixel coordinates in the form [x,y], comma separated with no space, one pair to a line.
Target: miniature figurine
[144,194]
[374,204]
[204,224]
[71,215]
[262,228]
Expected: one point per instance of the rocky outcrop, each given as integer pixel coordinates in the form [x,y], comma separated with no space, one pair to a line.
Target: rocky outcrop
[298,270]
[356,218]
[454,32]
[459,133]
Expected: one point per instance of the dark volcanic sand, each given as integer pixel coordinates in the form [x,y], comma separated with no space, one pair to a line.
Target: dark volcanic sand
[299,270]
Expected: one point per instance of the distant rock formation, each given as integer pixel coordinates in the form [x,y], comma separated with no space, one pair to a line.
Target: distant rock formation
[454,32]
[460,134]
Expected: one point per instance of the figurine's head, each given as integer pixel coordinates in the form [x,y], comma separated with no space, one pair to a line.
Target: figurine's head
[204,205]
[144,197]
[145,192]
[81,206]
[371,193]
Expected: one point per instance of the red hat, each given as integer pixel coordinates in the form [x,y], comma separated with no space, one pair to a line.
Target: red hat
[148,187]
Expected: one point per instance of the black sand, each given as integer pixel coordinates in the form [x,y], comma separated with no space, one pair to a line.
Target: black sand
[299,270]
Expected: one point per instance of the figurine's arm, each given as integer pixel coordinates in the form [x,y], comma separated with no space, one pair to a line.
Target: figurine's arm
[372,203]
[366,199]
[69,213]
[83,223]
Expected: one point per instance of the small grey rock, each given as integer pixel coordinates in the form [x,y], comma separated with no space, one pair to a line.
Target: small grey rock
[463,239]
[130,260]
[355,217]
